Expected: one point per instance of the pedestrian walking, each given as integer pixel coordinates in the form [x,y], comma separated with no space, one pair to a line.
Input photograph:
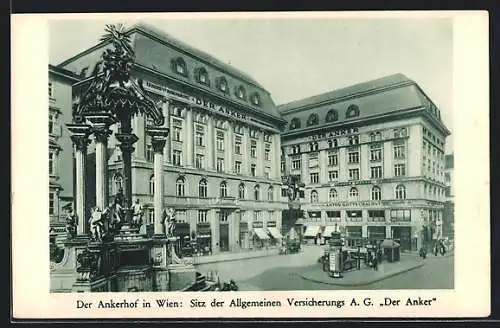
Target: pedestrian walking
[375,263]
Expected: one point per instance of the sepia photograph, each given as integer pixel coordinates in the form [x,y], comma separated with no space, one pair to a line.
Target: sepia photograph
[260,153]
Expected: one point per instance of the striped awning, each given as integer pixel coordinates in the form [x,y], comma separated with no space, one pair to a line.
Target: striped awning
[328,231]
[312,231]
[275,233]
[261,233]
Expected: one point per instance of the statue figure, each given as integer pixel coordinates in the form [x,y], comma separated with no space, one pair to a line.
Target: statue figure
[96,224]
[71,221]
[119,197]
[88,265]
[169,221]
[137,212]
[113,216]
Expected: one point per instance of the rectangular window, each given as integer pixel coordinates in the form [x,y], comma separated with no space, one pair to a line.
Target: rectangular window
[267,154]
[177,157]
[202,216]
[353,174]
[283,166]
[237,167]
[267,173]
[219,140]
[399,149]
[399,170]
[400,133]
[253,169]
[200,136]
[376,152]
[401,215]
[52,123]
[180,216]
[149,153]
[314,177]
[313,160]
[52,163]
[198,161]
[177,130]
[353,157]
[223,216]
[51,89]
[333,175]
[237,145]
[51,203]
[296,163]
[333,160]
[220,164]
[253,149]
[376,172]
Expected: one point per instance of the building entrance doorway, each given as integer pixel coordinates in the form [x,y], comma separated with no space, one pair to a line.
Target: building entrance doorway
[403,234]
[224,237]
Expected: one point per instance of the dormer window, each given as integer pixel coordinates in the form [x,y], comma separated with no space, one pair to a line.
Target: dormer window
[240,93]
[179,66]
[352,111]
[202,76]
[295,123]
[332,116]
[222,84]
[256,99]
[313,120]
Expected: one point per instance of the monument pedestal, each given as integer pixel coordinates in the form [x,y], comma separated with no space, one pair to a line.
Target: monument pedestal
[181,276]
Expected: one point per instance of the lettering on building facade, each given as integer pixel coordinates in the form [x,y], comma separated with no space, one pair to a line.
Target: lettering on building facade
[333,134]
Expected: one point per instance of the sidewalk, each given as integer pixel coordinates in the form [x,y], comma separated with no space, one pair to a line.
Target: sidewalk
[365,276]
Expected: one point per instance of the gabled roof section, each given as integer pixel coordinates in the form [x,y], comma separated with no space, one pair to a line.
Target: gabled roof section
[337,95]
[64,73]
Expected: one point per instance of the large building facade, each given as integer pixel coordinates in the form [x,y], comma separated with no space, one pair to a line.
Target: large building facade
[60,147]
[222,156]
[372,160]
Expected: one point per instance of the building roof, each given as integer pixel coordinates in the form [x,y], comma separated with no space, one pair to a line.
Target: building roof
[60,71]
[359,88]
[156,50]
[376,98]
[448,161]
[149,29]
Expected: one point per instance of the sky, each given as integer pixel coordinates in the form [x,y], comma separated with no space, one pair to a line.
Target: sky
[299,58]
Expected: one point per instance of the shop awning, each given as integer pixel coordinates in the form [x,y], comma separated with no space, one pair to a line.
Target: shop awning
[328,231]
[261,233]
[274,232]
[312,231]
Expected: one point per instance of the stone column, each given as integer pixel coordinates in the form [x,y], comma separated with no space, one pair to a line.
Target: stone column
[127,141]
[260,155]
[245,144]
[101,134]
[229,148]
[167,156]
[189,140]
[158,140]
[80,141]
[304,168]
[323,166]
[210,143]
[276,158]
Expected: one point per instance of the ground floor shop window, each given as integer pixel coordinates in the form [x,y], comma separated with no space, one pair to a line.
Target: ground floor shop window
[376,233]
[403,236]
[224,237]
[203,239]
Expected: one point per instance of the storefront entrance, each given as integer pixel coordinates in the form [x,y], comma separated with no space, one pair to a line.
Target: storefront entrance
[224,237]
[203,239]
[403,234]
[376,233]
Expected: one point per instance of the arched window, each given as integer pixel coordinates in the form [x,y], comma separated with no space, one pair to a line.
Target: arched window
[294,123]
[241,191]
[203,188]
[270,193]
[118,183]
[223,189]
[256,192]
[255,99]
[332,116]
[240,93]
[400,192]
[222,84]
[180,186]
[376,193]
[314,196]
[202,76]
[313,119]
[152,185]
[179,66]
[353,194]
[332,194]
[352,111]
